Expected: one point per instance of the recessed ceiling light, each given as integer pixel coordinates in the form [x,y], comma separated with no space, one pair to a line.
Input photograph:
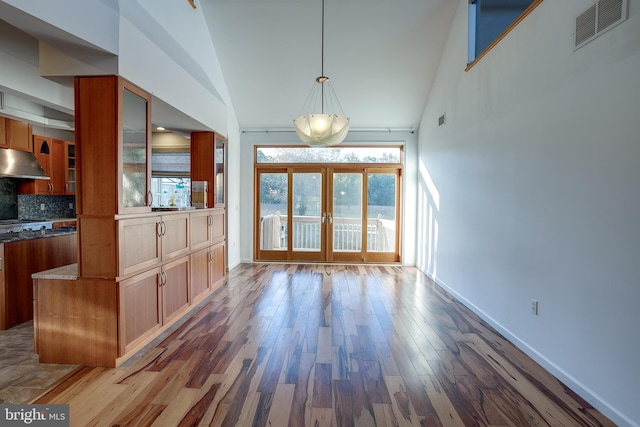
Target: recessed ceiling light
[160,128]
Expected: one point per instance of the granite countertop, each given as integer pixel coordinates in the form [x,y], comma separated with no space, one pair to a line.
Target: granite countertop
[66,272]
[38,234]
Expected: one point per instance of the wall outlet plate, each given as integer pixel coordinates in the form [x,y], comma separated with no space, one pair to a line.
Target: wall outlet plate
[41,206]
[534,307]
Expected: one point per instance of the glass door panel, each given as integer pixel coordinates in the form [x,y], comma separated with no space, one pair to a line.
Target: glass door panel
[347,212]
[134,150]
[381,212]
[307,212]
[273,208]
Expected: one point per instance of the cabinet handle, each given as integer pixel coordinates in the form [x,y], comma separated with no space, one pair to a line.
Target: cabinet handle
[210,255]
[0,264]
[210,220]
[163,227]
[330,218]
[163,278]
[149,198]
[159,228]
[324,217]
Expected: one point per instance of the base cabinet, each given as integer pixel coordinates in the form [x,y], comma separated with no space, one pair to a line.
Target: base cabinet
[139,305]
[154,291]
[18,261]
[174,285]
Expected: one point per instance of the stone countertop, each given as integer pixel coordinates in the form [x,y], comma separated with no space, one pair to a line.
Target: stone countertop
[28,235]
[66,272]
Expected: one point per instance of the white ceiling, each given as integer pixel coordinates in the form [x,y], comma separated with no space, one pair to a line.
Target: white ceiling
[381,56]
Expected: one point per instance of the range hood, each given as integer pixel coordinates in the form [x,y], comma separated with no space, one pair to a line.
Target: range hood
[20,164]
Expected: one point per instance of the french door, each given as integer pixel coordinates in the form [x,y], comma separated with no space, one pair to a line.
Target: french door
[327,214]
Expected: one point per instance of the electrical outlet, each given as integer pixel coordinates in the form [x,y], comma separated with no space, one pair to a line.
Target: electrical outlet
[70,205]
[534,307]
[41,206]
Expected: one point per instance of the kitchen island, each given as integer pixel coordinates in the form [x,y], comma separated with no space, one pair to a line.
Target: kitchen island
[22,254]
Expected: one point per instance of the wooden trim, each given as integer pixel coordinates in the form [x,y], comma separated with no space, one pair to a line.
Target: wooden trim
[502,35]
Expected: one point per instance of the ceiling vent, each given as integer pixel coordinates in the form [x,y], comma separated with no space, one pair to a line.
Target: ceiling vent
[598,18]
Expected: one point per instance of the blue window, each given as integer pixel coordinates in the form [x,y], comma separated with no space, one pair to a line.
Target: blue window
[489,19]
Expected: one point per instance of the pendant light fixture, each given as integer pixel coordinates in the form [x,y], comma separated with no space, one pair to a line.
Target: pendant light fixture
[321,121]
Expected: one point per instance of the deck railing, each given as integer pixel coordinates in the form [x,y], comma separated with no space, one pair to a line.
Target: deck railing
[347,233]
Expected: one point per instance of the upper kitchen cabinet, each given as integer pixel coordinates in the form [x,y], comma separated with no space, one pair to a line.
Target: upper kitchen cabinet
[15,134]
[208,160]
[51,156]
[3,134]
[113,151]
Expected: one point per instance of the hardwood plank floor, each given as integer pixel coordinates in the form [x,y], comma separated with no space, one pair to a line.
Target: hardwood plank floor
[319,345]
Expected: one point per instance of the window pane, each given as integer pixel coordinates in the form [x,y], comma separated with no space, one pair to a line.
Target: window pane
[307,203]
[273,211]
[381,212]
[347,212]
[328,155]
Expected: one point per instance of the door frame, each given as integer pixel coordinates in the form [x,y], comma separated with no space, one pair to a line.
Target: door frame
[326,253]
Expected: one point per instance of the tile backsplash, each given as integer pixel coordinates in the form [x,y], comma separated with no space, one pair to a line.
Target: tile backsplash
[8,199]
[29,206]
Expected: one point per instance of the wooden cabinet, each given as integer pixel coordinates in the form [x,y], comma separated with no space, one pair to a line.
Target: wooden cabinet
[139,309]
[208,161]
[18,135]
[200,273]
[174,283]
[149,300]
[51,156]
[200,223]
[146,241]
[18,261]
[3,133]
[138,244]
[218,263]
[70,168]
[174,235]
[113,134]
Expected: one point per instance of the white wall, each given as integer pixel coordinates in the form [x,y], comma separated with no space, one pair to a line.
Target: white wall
[532,191]
[409,179]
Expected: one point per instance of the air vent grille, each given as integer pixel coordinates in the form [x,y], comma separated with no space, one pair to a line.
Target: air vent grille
[609,12]
[598,18]
[586,25]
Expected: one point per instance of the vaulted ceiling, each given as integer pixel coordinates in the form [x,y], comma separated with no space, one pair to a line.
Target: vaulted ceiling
[381,56]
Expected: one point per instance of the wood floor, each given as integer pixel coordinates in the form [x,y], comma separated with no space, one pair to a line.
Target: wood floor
[317,345]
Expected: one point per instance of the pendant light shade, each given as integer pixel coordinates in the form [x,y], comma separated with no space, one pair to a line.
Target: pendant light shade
[321,121]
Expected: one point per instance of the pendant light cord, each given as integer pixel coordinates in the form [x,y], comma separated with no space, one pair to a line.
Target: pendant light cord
[322,62]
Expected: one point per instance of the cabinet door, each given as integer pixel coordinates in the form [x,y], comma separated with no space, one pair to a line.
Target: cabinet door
[220,157]
[218,226]
[43,152]
[19,135]
[199,229]
[57,167]
[174,283]
[218,265]
[135,151]
[70,168]
[200,273]
[138,244]
[139,309]
[3,133]
[175,235]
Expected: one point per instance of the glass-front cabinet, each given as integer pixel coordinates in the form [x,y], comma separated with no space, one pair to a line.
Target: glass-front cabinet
[135,185]
[219,158]
[113,147]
